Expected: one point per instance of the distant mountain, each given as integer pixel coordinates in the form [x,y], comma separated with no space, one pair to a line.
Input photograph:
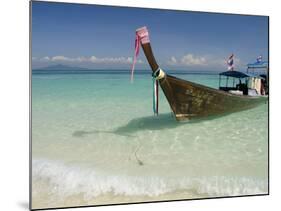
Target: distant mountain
[61,67]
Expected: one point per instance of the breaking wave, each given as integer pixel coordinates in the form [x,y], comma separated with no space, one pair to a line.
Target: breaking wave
[66,180]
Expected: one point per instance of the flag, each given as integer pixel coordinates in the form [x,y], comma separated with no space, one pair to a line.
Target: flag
[230,62]
[259,59]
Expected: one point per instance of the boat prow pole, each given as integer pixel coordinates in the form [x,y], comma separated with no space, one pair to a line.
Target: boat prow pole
[142,33]
[157,72]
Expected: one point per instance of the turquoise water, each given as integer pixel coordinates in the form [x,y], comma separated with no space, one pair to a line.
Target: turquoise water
[94,137]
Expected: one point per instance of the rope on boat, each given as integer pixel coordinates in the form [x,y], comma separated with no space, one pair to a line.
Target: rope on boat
[155,85]
[155,96]
[156,76]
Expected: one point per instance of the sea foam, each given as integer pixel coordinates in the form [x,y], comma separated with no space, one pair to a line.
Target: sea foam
[65,180]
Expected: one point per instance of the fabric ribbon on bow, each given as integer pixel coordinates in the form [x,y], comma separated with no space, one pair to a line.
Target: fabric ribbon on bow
[142,37]
[137,50]
[155,95]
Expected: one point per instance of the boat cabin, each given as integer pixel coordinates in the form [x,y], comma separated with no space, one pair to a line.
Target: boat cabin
[240,83]
[260,68]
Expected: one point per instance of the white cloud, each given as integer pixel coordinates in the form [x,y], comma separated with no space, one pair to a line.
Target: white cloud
[59,58]
[188,60]
[91,59]
[191,60]
[62,58]
[44,59]
[172,61]
[112,60]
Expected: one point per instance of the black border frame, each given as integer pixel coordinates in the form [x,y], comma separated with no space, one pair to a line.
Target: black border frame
[144,202]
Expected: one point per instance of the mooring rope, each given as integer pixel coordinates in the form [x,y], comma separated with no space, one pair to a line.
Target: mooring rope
[155,95]
[155,85]
[137,159]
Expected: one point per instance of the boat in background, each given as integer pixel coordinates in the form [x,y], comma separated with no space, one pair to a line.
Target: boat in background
[191,100]
[261,69]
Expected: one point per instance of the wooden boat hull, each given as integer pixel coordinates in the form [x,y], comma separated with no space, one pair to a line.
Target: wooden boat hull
[190,100]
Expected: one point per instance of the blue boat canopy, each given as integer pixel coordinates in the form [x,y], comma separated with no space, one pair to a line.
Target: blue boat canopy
[263,64]
[235,74]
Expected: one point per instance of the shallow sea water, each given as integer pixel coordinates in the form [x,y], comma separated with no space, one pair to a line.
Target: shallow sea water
[96,141]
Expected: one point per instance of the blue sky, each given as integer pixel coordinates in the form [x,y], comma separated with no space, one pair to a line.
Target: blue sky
[101,37]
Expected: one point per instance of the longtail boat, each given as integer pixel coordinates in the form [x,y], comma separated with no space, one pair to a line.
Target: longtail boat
[189,100]
[261,68]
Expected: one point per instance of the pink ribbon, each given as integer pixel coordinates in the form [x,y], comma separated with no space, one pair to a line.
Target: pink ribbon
[137,50]
[141,37]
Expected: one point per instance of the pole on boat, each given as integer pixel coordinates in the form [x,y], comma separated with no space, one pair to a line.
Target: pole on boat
[142,33]
[142,38]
